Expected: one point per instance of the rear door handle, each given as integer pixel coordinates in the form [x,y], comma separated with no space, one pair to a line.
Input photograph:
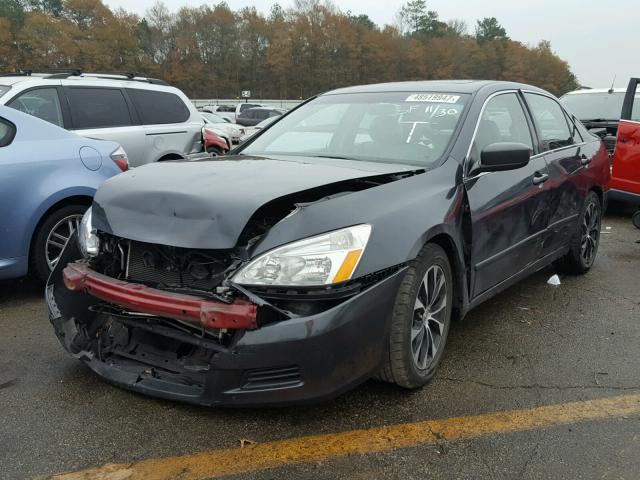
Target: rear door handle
[540,178]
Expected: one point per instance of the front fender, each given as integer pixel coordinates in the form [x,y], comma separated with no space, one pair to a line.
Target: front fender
[404,214]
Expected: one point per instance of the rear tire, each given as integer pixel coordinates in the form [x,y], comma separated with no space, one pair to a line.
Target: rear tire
[635,219]
[421,320]
[585,242]
[49,240]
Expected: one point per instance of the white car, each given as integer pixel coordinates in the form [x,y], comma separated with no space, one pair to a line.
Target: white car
[231,131]
[230,112]
[150,119]
[251,131]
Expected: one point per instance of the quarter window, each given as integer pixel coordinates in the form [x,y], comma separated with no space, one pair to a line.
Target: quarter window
[157,108]
[98,108]
[503,120]
[7,132]
[551,122]
[43,103]
[577,137]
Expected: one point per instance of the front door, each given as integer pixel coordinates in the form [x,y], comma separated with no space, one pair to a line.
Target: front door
[625,176]
[507,208]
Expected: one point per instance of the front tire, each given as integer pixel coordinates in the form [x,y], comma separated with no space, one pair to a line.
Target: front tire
[51,238]
[585,242]
[215,152]
[421,320]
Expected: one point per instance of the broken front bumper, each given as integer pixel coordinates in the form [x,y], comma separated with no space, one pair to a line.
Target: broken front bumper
[241,314]
[301,359]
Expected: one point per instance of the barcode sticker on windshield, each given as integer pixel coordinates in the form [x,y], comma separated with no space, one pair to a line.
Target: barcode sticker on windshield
[433,97]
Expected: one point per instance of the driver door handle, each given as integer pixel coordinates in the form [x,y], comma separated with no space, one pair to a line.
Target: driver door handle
[539,178]
[584,160]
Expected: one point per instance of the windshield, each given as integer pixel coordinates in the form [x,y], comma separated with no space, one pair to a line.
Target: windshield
[4,89]
[266,122]
[390,127]
[213,118]
[592,106]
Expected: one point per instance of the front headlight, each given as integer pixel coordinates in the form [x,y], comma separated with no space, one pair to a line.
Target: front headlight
[321,260]
[88,241]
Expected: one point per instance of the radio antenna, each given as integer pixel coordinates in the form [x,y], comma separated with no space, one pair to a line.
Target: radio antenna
[612,83]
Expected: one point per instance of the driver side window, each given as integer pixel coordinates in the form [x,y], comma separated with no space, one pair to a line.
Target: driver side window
[502,120]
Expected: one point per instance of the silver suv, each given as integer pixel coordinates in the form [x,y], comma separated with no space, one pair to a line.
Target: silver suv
[150,119]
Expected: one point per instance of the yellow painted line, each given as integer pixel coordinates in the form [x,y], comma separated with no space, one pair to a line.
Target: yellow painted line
[233,461]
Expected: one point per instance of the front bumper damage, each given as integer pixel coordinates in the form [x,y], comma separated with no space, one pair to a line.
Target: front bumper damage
[204,351]
[241,314]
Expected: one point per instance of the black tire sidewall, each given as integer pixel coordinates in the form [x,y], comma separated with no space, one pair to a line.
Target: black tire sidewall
[38,259]
[591,197]
[403,313]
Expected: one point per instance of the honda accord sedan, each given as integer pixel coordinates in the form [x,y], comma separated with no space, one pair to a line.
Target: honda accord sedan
[336,245]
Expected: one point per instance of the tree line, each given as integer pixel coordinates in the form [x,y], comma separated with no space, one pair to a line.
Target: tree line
[212,51]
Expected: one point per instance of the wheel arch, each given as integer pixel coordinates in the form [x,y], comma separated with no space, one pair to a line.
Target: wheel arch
[597,189]
[79,199]
[447,243]
[170,156]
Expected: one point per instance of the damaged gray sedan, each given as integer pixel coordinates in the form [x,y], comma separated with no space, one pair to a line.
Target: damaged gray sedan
[334,246]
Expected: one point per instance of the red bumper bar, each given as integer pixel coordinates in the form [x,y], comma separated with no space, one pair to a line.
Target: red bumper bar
[241,314]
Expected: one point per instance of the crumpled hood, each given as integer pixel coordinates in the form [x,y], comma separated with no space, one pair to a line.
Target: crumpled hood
[206,204]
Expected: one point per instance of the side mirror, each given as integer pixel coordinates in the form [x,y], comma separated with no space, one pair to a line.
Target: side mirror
[504,156]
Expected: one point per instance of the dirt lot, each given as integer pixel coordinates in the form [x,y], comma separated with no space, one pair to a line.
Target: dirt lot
[534,345]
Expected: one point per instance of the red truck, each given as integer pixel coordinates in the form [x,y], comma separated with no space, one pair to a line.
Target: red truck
[625,174]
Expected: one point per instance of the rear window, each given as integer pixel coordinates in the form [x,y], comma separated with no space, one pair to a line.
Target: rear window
[595,105]
[98,108]
[4,89]
[157,108]
[247,106]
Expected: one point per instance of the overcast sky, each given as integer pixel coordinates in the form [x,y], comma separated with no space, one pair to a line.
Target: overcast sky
[599,39]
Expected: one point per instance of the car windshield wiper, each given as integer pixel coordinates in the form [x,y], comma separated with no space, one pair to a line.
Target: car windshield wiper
[594,120]
[337,157]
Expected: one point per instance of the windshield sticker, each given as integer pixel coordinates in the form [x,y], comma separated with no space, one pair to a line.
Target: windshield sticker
[433,98]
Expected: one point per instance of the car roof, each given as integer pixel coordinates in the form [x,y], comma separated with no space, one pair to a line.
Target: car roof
[583,91]
[89,79]
[448,86]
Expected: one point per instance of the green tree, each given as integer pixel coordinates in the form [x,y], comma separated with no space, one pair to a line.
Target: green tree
[362,21]
[13,11]
[490,29]
[52,7]
[420,21]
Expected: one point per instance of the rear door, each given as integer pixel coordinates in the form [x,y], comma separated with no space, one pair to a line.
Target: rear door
[103,113]
[562,145]
[625,176]
[167,124]
[507,208]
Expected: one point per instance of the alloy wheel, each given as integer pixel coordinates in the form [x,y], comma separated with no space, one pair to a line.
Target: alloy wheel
[590,233]
[58,238]
[429,316]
